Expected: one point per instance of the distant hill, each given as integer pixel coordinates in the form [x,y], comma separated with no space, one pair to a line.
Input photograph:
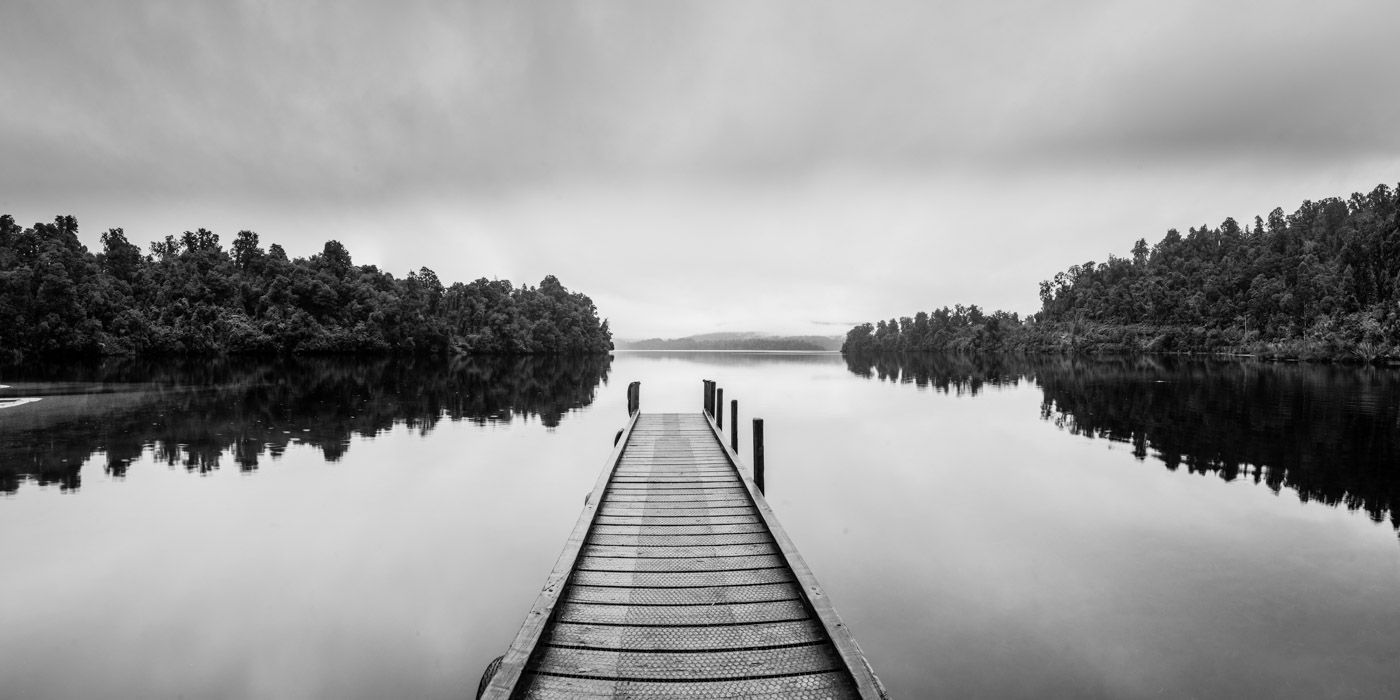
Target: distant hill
[736,341]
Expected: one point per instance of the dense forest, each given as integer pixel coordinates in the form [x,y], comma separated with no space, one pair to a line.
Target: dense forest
[189,295]
[959,329]
[1321,283]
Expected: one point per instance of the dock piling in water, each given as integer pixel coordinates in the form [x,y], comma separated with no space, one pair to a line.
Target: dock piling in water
[734,425]
[757,440]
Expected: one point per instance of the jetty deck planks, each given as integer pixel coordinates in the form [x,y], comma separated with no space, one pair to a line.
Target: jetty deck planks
[679,587]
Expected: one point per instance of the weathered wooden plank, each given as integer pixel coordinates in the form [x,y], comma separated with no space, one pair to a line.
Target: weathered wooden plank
[725,474]
[662,505]
[662,475]
[696,480]
[702,519]
[683,615]
[676,540]
[690,496]
[726,637]
[586,563]
[614,510]
[833,685]
[604,529]
[673,551]
[708,595]
[682,579]
[672,666]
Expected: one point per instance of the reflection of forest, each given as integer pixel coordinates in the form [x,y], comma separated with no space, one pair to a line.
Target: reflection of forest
[196,413]
[957,374]
[1329,433]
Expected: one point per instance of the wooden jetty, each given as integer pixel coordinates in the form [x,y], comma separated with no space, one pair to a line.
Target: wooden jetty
[677,581]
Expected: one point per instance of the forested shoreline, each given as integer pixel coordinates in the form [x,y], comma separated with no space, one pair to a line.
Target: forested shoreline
[190,296]
[1320,284]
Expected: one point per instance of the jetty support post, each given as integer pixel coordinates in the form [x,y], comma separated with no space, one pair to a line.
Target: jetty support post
[734,425]
[758,454]
[719,408]
[634,398]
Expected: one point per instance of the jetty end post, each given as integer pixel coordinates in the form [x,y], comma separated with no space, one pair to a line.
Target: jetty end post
[734,425]
[719,408]
[758,454]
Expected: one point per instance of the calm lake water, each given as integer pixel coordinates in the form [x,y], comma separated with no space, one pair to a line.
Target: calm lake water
[988,528]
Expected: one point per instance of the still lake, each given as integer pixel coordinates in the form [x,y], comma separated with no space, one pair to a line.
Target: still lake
[998,528]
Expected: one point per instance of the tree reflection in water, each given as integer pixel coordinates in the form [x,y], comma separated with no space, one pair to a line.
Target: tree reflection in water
[197,413]
[1328,433]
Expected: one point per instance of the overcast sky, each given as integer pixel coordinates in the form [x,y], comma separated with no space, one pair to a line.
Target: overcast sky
[698,166]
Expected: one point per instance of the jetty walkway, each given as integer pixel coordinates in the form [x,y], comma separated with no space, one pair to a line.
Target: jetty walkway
[678,582]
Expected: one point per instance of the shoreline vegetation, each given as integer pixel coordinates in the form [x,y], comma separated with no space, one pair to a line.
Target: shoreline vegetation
[1321,284]
[190,296]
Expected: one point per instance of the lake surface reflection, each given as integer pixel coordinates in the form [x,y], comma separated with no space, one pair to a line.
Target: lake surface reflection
[204,413]
[988,527]
[1326,433]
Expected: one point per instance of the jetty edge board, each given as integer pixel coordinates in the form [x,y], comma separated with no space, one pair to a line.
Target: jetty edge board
[678,581]
[840,635]
[513,664]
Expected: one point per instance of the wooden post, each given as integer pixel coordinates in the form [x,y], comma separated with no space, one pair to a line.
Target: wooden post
[705,395]
[734,425]
[758,454]
[719,408]
[634,398]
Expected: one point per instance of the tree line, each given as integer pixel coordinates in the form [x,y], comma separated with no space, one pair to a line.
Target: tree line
[959,329]
[1320,283]
[189,295]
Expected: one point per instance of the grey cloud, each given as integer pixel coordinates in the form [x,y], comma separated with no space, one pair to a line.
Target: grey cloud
[339,99]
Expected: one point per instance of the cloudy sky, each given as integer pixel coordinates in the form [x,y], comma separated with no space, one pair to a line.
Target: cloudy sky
[790,166]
